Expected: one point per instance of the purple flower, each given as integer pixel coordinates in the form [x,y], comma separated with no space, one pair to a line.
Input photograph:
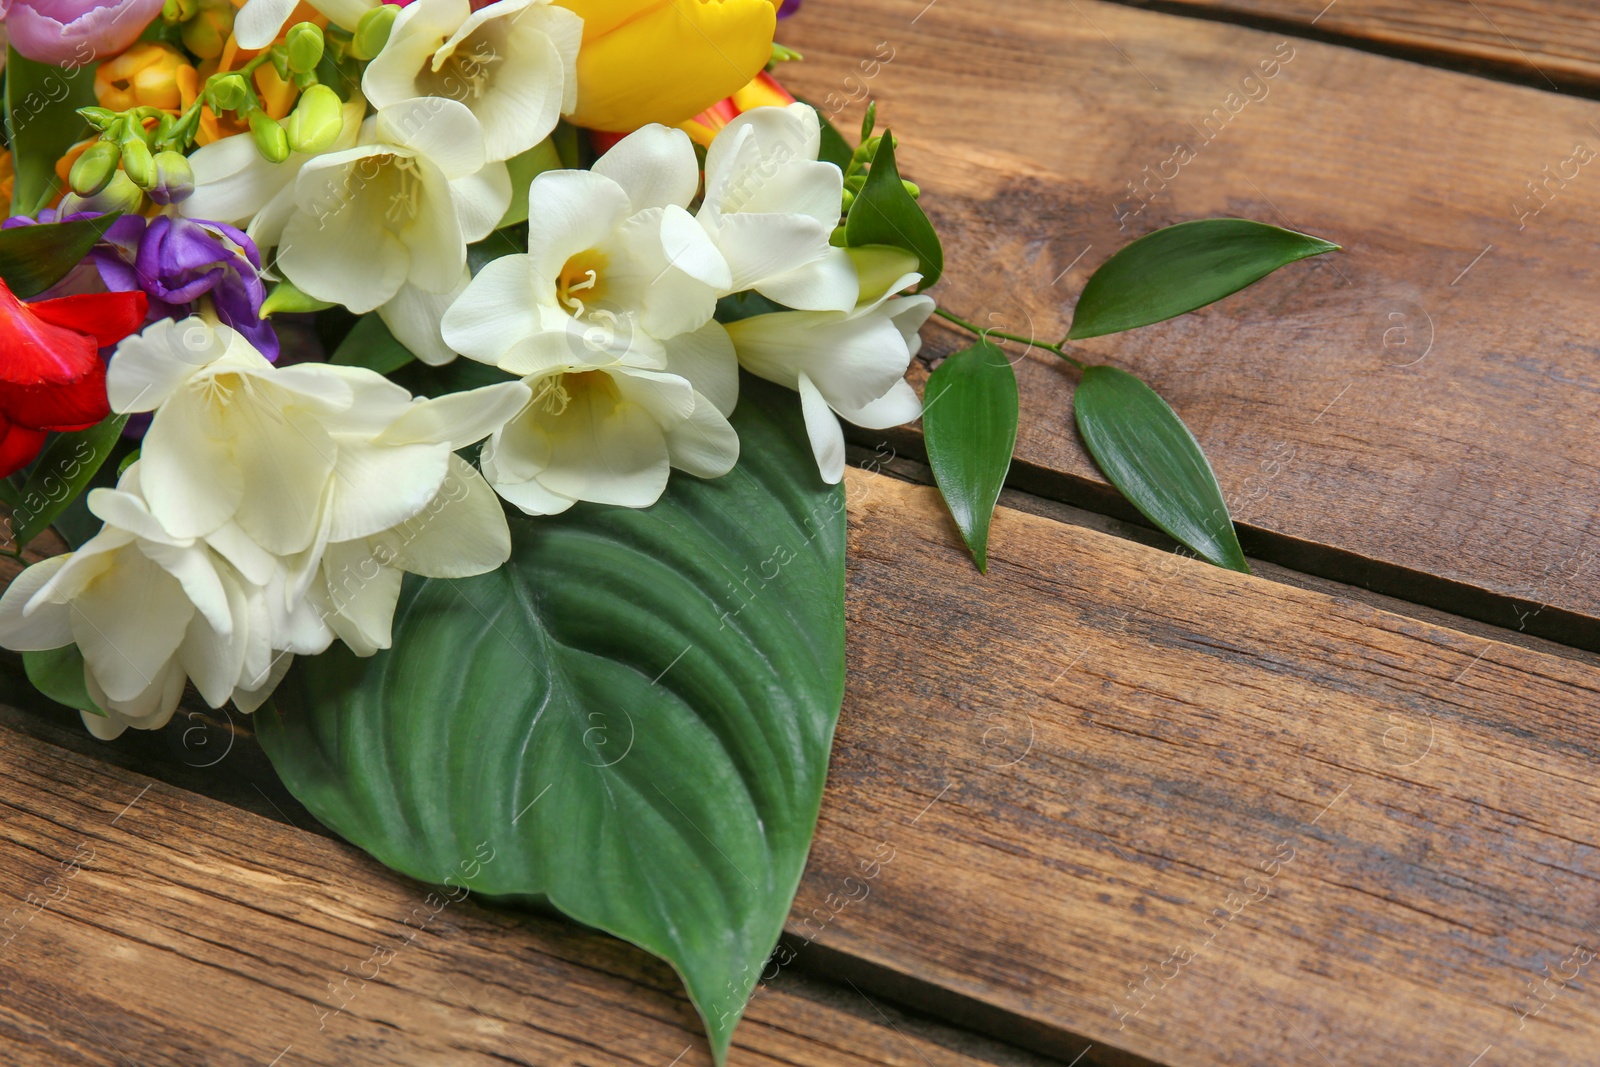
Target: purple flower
[176,261]
[788,8]
[70,33]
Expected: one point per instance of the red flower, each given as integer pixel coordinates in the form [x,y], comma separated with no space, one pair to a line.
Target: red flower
[51,375]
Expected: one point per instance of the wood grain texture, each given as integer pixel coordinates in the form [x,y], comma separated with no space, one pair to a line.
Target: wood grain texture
[1078,760]
[149,925]
[1420,413]
[1549,43]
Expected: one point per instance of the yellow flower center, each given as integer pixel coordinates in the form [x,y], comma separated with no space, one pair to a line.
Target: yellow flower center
[554,394]
[582,282]
[462,74]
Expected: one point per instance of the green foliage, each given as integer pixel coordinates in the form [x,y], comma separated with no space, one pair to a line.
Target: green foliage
[1146,451]
[1180,268]
[969,419]
[631,720]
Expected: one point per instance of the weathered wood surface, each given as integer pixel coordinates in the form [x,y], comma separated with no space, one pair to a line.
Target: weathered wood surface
[1420,413]
[1078,760]
[1549,43]
[148,925]
[1045,783]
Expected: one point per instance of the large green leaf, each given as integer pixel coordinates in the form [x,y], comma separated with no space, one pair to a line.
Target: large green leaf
[61,474]
[1146,451]
[41,120]
[33,258]
[969,422]
[633,716]
[1183,267]
[885,213]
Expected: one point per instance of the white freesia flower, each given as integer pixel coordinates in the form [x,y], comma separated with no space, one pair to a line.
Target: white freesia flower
[849,364]
[770,206]
[615,266]
[297,457]
[147,610]
[399,208]
[272,511]
[610,434]
[259,22]
[514,63]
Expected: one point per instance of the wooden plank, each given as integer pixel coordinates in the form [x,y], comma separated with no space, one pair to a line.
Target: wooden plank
[1553,44]
[1059,773]
[146,924]
[1420,413]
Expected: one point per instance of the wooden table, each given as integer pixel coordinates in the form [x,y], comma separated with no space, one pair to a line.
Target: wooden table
[1139,810]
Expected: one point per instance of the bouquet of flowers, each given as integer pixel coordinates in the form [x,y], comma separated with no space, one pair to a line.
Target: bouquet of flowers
[466,379]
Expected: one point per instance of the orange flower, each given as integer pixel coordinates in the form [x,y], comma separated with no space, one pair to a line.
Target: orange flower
[147,75]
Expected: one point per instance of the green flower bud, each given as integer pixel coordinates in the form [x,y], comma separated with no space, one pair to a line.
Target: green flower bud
[880,266]
[286,297]
[95,168]
[174,179]
[206,35]
[317,120]
[372,32]
[271,141]
[912,187]
[849,201]
[118,195]
[230,92]
[138,163]
[100,118]
[304,46]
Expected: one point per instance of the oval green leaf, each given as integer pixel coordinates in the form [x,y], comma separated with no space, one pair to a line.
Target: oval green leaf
[42,120]
[1180,268]
[632,717]
[1146,451]
[886,214]
[969,421]
[33,258]
[60,475]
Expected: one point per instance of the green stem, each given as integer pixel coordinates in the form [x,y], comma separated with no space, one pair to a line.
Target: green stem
[984,333]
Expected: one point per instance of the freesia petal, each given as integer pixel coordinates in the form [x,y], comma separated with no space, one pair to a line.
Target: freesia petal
[826,284]
[414,316]
[705,444]
[148,367]
[259,22]
[655,166]
[758,247]
[379,487]
[496,310]
[47,626]
[822,426]
[707,359]
[481,198]
[458,419]
[129,623]
[897,407]
[443,131]
[461,533]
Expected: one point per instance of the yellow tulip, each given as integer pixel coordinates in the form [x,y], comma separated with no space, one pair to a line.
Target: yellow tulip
[645,61]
